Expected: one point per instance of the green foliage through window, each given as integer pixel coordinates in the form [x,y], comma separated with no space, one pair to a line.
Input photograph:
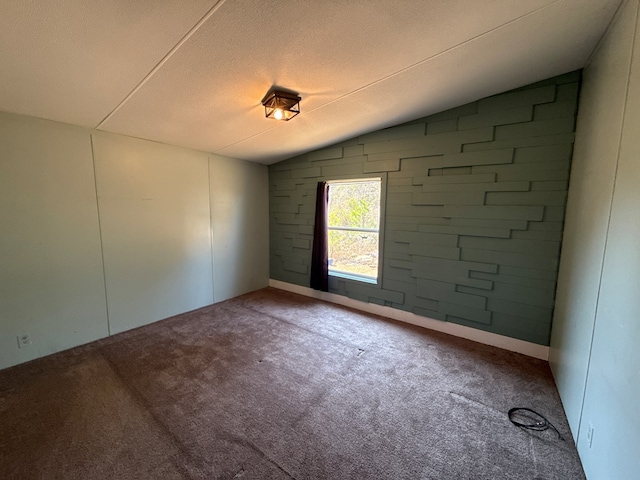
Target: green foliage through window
[354,223]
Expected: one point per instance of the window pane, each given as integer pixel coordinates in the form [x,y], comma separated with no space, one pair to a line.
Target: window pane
[353,252]
[355,204]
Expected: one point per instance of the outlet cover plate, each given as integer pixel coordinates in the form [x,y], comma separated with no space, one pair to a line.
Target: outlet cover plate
[24,340]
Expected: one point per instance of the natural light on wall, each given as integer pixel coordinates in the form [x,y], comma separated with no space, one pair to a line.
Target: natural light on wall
[354,228]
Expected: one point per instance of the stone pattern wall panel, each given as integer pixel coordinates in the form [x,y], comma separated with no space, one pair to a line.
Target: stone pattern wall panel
[474,209]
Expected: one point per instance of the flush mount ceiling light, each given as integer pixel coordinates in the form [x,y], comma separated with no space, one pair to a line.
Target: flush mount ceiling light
[281,105]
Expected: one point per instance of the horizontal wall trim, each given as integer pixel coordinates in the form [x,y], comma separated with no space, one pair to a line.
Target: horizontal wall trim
[480,336]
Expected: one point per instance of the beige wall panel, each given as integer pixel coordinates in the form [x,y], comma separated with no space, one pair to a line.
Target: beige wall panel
[612,395]
[590,191]
[154,212]
[51,277]
[240,219]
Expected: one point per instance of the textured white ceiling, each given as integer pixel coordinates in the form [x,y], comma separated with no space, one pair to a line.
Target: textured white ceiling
[192,73]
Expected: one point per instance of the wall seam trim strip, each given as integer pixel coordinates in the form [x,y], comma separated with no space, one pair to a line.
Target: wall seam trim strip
[213,286]
[487,338]
[104,269]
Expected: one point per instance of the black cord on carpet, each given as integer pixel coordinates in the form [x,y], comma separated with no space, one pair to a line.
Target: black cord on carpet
[539,424]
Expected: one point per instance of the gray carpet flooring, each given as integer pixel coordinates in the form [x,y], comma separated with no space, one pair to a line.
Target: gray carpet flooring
[272,385]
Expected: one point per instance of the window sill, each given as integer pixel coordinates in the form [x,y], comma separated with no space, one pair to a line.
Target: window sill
[351,276]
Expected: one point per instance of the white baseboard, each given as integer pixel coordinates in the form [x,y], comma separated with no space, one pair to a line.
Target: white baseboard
[480,336]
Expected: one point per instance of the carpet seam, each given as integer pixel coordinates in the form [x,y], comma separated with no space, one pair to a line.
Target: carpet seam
[355,347]
[141,402]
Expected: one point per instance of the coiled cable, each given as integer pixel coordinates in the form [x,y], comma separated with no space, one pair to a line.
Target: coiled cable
[538,424]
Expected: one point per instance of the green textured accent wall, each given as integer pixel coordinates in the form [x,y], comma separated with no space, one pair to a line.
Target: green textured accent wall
[474,204]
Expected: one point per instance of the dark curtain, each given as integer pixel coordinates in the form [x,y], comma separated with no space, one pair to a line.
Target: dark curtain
[320,251]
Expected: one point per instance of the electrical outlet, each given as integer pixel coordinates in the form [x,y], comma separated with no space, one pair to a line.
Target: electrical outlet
[24,340]
[590,435]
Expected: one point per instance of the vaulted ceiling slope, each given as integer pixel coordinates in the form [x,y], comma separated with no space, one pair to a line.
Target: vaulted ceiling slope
[192,73]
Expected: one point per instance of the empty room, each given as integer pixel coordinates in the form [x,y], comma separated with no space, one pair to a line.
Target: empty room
[354,239]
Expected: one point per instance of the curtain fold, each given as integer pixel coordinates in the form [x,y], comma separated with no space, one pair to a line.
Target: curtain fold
[320,252]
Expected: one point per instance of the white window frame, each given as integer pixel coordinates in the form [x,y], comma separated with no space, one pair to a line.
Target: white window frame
[352,276]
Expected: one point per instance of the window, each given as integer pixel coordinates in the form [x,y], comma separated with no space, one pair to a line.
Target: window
[354,228]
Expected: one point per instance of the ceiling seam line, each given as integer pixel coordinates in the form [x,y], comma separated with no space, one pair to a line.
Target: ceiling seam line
[163,60]
[398,72]
[432,57]
[600,41]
